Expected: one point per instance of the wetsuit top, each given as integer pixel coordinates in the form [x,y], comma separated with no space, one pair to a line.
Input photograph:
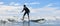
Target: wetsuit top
[26,10]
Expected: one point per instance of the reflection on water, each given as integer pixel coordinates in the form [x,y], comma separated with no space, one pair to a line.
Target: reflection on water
[15,24]
[26,23]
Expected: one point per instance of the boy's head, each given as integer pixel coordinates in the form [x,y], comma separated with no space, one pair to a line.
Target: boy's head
[24,5]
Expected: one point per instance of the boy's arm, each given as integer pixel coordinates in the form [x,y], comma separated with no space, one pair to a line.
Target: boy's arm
[23,10]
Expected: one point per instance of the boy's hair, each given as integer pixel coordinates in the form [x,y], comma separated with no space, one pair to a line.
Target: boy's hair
[24,5]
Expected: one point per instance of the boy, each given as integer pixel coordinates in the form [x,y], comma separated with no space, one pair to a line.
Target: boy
[27,11]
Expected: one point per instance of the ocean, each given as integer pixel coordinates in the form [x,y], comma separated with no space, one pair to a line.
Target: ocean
[29,24]
[18,22]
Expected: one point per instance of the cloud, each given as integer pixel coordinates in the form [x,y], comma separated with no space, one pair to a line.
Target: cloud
[1,3]
[4,7]
[46,9]
[57,11]
[14,3]
[33,3]
[51,4]
[9,10]
[17,4]
[34,10]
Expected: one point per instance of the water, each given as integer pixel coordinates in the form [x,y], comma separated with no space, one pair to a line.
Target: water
[18,22]
[28,24]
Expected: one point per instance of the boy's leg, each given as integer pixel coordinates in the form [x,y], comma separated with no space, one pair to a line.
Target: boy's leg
[24,15]
[28,16]
[28,19]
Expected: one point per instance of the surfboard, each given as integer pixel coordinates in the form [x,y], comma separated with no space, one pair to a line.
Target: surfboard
[39,21]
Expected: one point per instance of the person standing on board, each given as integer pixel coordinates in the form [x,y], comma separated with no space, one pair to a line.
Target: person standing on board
[27,11]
